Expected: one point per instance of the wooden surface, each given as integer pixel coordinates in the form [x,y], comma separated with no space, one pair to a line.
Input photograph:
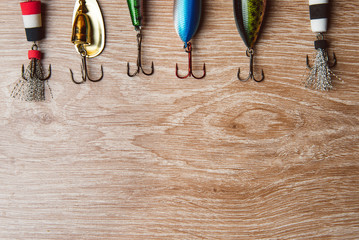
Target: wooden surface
[163,158]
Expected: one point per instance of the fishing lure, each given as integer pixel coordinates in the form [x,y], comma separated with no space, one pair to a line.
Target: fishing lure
[31,85]
[249,15]
[88,35]
[187,16]
[320,76]
[134,7]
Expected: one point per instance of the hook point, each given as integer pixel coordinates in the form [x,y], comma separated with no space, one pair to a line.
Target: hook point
[128,71]
[307,63]
[204,72]
[94,80]
[48,75]
[152,70]
[334,61]
[260,80]
[72,77]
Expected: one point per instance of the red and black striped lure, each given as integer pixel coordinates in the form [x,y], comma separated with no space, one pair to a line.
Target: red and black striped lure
[31,85]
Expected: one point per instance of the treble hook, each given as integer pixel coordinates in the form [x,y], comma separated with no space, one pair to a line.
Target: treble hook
[321,43]
[34,62]
[190,73]
[250,54]
[139,59]
[327,59]
[84,70]
[33,72]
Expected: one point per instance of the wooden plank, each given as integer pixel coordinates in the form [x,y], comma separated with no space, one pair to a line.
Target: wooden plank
[163,158]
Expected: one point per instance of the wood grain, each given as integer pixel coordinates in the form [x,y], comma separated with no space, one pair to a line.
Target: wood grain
[163,158]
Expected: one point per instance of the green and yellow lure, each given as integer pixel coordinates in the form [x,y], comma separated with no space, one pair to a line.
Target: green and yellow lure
[249,15]
[135,11]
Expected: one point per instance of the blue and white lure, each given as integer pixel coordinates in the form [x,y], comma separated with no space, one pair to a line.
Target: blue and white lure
[187,16]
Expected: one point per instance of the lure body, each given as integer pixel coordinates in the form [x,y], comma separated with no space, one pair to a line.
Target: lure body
[81,29]
[88,28]
[187,16]
[134,6]
[249,16]
[31,14]
[319,11]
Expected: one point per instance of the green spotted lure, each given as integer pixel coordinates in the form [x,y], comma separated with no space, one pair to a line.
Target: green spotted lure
[249,15]
[134,7]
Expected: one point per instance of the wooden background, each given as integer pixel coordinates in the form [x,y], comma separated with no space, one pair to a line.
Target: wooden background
[163,158]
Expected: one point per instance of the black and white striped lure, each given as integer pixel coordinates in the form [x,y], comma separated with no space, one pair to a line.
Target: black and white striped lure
[31,85]
[320,76]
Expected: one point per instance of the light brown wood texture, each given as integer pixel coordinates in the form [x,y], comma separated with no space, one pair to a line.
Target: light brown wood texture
[164,158]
